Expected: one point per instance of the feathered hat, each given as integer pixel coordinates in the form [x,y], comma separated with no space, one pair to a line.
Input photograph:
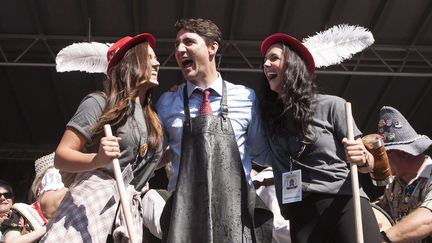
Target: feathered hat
[325,48]
[95,57]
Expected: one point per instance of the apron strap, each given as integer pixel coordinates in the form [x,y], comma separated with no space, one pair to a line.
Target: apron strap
[186,109]
[224,103]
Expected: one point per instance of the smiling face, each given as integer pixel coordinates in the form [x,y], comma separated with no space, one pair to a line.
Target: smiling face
[274,67]
[5,203]
[195,58]
[154,63]
[154,66]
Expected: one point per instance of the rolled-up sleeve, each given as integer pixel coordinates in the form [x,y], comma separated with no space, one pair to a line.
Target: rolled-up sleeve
[427,202]
[87,115]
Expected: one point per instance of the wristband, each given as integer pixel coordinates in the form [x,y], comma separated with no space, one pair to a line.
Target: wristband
[385,237]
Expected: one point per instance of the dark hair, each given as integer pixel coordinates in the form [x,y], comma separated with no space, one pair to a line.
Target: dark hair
[121,90]
[296,100]
[203,27]
[6,185]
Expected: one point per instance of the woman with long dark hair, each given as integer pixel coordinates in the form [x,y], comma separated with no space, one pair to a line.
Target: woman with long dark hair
[88,211]
[307,133]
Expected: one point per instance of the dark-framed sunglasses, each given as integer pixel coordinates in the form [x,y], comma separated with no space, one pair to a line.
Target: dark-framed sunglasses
[7,195]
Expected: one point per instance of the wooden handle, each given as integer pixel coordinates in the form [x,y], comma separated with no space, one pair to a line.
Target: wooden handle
[122,192]
[354,177]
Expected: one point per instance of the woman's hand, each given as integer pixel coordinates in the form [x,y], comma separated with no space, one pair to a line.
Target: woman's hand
[4,216]
[69,156]
[109,149]
[356,153]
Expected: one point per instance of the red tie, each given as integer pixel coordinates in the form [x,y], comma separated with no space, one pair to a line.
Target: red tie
[205,108]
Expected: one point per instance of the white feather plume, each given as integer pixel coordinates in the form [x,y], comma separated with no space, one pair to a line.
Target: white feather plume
[85,56]
[338,43]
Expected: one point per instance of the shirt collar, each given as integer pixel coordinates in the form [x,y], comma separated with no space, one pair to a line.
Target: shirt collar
[216,86]
[424,171]
[426,168]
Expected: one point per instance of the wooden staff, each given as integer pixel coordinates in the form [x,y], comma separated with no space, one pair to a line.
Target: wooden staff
[122,192]
[354,177]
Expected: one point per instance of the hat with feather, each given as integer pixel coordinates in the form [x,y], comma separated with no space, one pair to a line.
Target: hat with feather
[325,48]
[96,57]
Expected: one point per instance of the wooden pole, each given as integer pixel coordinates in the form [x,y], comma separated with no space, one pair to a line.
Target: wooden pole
[354,178]
[122,192]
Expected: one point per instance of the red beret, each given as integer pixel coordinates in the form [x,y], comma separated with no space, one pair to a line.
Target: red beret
[294,44]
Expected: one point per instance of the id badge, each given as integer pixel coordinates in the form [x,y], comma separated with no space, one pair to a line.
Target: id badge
[291,186]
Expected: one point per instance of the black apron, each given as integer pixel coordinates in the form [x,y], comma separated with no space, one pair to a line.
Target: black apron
[212,202]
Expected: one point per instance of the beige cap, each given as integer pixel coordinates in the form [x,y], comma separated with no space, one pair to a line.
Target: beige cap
[43,163]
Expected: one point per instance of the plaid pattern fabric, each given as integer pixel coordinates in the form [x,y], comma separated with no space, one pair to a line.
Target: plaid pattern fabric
[120,233]
[399,199]
[87,212]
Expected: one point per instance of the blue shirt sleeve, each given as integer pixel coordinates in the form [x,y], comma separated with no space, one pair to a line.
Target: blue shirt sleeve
[256,143]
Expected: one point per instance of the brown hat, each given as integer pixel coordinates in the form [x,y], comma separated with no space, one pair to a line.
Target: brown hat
[398,134]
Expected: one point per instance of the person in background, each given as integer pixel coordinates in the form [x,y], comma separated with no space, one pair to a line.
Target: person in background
[47,187]
[6,202]
[306,132]
[21,223]
[408,199]
[88,212]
